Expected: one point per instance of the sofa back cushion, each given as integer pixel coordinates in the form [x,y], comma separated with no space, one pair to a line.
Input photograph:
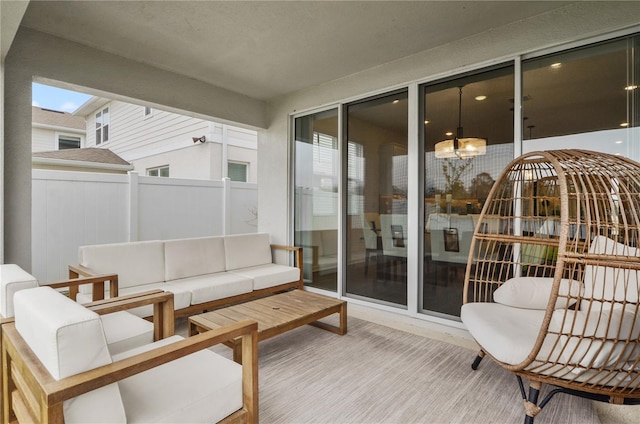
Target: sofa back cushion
[611,283]
[68,339]
[191,257]
[247,250]
[136,263]
[12,279]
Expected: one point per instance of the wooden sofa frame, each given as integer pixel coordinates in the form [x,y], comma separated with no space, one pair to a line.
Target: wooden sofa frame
[77,271]
[31,394]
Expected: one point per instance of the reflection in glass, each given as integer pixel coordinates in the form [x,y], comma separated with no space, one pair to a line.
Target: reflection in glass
[586,98]
[316,197]
[457,185]
[377,199]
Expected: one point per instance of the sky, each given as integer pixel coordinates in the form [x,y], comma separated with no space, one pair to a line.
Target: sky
[57,98]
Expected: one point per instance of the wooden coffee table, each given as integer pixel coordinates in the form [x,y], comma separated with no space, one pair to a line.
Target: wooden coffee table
[275,315]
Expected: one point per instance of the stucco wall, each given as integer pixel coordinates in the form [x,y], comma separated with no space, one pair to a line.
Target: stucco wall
[576,22]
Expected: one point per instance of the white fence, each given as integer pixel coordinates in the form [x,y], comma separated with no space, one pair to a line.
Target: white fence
[72,209]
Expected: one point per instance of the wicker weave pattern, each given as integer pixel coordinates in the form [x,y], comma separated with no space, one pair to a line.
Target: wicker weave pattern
[569,214]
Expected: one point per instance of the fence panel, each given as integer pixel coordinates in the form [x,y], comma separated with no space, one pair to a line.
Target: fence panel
[243,207]
[173,208]
[72,209]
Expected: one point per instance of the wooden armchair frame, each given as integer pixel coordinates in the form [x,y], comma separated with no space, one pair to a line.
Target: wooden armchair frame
[31,394]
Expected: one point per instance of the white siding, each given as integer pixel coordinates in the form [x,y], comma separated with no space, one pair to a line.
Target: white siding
[198,161]
[43,140]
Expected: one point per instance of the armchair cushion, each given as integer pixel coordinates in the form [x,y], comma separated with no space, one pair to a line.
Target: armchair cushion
[12,279]
[208,384]
[124,331]
[68,339]
[534,292]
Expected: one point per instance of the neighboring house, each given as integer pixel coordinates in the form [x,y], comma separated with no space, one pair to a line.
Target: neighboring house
[165,144]
[84,160]
[55,130]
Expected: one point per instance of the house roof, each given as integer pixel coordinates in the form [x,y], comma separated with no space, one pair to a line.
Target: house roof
[82,157]
[268,49]
[56,118]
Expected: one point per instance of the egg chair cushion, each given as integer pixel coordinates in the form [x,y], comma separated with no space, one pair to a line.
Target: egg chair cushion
[535,292]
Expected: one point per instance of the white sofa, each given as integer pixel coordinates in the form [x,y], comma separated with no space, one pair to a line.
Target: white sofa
[202,273]
[59,347]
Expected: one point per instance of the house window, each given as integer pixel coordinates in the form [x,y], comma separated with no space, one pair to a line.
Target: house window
[238,171]
[160,171]
[69,142]
[102,126]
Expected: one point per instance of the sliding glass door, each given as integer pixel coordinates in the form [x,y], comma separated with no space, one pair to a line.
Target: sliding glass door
[468,140]
[376,199]
[316,207]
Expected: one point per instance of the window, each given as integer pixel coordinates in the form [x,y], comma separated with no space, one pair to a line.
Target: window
[585,98]
[102,126]
[237,171]
[69,142]
[160,171]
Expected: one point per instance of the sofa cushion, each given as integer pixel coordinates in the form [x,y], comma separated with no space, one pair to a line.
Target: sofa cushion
[205,387]
[196,256]
[68,339]
[124,331]
[181,297]
[136,263]
[247,250]
[12,279]
[507,333]
[270,275]
[205,288]
[534,292]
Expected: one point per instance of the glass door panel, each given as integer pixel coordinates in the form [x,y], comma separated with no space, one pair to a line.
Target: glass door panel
[316,197]
[468,140]
[586,98]
[376,221]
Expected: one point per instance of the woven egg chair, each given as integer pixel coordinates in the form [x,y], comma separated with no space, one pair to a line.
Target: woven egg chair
[552,282]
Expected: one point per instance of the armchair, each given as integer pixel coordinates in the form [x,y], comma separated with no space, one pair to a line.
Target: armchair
[63,371]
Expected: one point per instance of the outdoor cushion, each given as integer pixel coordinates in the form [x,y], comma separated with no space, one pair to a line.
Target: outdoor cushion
[507,333]
[601,324]
[247,250]
[269,275]
[205,288]
[208,388]
[125,331]
[68,339]
[136,263]
[12,279]
[196,256]
[609,283]
[534,292]
[181,297]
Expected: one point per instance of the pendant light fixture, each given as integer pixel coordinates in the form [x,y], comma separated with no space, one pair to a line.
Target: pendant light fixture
[460,146]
